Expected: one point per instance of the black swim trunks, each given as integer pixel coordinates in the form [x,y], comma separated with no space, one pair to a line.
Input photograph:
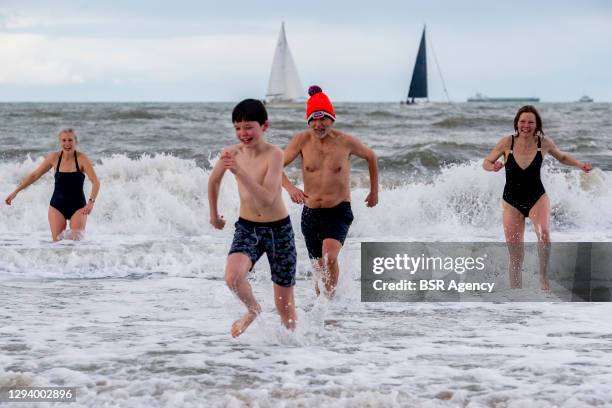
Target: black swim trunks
[275,239]
[322,223]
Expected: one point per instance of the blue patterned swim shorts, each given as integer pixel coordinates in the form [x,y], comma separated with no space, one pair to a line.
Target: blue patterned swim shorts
[275,239]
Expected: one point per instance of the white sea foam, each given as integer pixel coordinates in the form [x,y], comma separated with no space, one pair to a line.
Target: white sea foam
[152,216]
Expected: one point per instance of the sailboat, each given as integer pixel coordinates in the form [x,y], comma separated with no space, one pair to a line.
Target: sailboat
[418,84]
[284,86]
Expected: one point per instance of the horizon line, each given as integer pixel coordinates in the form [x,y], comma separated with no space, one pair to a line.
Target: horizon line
[296,103]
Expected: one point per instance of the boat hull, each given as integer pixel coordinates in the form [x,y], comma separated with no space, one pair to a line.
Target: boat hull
[503,99]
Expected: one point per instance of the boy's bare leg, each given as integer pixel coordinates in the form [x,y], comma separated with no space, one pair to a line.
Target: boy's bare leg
[285,304]
[236,271]
[331,271]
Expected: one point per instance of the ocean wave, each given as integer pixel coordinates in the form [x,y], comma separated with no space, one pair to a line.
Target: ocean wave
[151,216]
[429,157]
[162,194]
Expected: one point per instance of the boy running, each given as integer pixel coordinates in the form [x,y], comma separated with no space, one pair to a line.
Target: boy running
[264,224]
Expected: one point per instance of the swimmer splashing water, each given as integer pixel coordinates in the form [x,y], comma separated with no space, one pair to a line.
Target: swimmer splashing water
[524,195]
[68,200]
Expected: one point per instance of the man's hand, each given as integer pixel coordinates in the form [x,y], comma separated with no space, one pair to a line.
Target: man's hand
[297,195]
[217,221]
[372,199]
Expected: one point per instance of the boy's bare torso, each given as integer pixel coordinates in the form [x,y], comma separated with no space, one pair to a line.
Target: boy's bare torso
[256,165]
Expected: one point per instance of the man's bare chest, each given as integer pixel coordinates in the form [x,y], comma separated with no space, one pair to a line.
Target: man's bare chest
[326,158]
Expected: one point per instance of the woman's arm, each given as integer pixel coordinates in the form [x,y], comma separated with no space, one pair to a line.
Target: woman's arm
[564,158]
[490,162]
[44,167]
[95,183]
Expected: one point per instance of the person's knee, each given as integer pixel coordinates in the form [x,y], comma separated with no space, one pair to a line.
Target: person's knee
[544,235]
[513,235]
[285,308]
[233,276]
[283,304]
[77,234]
[331,259]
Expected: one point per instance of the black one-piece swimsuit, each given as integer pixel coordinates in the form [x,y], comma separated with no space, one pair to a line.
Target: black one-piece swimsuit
[68,196]
[523,186]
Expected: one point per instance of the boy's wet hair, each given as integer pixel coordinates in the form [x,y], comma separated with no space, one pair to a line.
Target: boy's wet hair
[250,110]
[529,109]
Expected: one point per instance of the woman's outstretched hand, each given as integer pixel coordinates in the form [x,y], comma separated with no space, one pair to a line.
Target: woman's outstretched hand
[586,167]
[10,198]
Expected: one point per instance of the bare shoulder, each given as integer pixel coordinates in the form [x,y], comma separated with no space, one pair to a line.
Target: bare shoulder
[350,139]
[274,152]
[547,142]
[504,143]
[82,156]
[301,137]
[52,157]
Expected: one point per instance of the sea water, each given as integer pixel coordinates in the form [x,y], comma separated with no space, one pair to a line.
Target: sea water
[138,314]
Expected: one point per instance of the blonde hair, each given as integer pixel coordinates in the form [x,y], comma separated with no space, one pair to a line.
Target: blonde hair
[68,130]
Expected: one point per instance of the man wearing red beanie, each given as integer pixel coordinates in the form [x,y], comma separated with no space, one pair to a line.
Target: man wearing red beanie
[327,214]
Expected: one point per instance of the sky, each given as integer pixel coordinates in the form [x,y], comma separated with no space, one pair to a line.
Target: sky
[81,50]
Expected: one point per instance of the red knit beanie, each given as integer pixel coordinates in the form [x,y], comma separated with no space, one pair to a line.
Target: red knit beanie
[318,106]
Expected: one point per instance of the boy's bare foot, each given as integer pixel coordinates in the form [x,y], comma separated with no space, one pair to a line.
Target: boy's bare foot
[241,324]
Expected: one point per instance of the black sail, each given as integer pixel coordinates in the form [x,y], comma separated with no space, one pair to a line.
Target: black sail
[418,84]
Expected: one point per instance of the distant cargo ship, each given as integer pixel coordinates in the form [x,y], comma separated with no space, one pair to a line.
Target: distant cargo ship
[585,98]
[483,98]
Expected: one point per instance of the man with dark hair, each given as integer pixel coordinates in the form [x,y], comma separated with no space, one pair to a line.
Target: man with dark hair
[264,225]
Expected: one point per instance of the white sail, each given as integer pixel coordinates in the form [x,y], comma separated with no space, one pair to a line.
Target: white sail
[284,84]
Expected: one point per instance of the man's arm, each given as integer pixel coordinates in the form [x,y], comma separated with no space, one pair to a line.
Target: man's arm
[361,150]
[214,184]
[293,149]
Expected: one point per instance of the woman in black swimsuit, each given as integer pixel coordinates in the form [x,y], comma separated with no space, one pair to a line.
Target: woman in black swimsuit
[524,195]
[68,200]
